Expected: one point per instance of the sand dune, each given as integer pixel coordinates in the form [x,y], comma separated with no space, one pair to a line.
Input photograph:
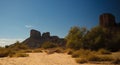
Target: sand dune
[41,59]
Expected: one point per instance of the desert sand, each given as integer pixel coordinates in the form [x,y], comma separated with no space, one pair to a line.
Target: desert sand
[41,59]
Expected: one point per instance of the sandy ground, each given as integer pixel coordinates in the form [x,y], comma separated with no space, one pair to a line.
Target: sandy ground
[41,59]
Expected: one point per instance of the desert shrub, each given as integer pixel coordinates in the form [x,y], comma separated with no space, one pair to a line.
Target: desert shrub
[103,51]
[37,50]
[12,53]
[81,53]
[116,61]
[95,57]
[84,56]
[53,50]
[69,51]
[18,46]
[28,51]
[59,50]
[48,44]
[4,52]
[106,58]
[20,55]
[25,51]
[81,60]
[74,37]
[76,54]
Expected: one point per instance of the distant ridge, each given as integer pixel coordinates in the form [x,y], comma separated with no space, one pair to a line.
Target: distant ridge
[36,39]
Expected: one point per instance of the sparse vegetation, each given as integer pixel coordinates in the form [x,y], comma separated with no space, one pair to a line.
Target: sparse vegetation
[82,45]
[104,51]
[13,50]
[37,50]
[59,50]
[20,55]
[54,50]
[116,61]
[48,44]
[69,51]
[96,44]
[95,57]
[81,60]
[81,53]
[4,52]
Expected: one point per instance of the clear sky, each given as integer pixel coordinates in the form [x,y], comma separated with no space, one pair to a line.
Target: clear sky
[17,17]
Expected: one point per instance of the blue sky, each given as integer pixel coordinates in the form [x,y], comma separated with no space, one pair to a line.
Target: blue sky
[17,17]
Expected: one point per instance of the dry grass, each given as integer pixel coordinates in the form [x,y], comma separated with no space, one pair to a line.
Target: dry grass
[54,50]
[37,51]
[84,56]
[116,61]
[20,55]
[81,53]
[81,60]
[69,51]
[103,51]
[95,57]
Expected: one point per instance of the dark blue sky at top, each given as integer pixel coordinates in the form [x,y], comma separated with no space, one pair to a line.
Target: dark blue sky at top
[17,17]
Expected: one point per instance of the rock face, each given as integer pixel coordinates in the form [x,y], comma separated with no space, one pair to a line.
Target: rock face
[46,35]
[35,34]
[36,40]
[107,20]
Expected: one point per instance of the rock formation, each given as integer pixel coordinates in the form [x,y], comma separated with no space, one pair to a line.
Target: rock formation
[35,34]
[107,20]
[36,40]
[46,35]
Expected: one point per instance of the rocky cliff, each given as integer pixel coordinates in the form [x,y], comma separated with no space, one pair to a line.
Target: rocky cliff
[36,39]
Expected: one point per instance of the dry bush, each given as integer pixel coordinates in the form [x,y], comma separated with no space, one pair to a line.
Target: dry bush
[20,55]
[81,53]
[103,51]
[4,52]
[94,57]
[116,61]
[37,50]
[69,51]
[76,54]
[25,51]
[55,50]
[59,50]
[84,56]
[28,51]
[81,60]
[48,45]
